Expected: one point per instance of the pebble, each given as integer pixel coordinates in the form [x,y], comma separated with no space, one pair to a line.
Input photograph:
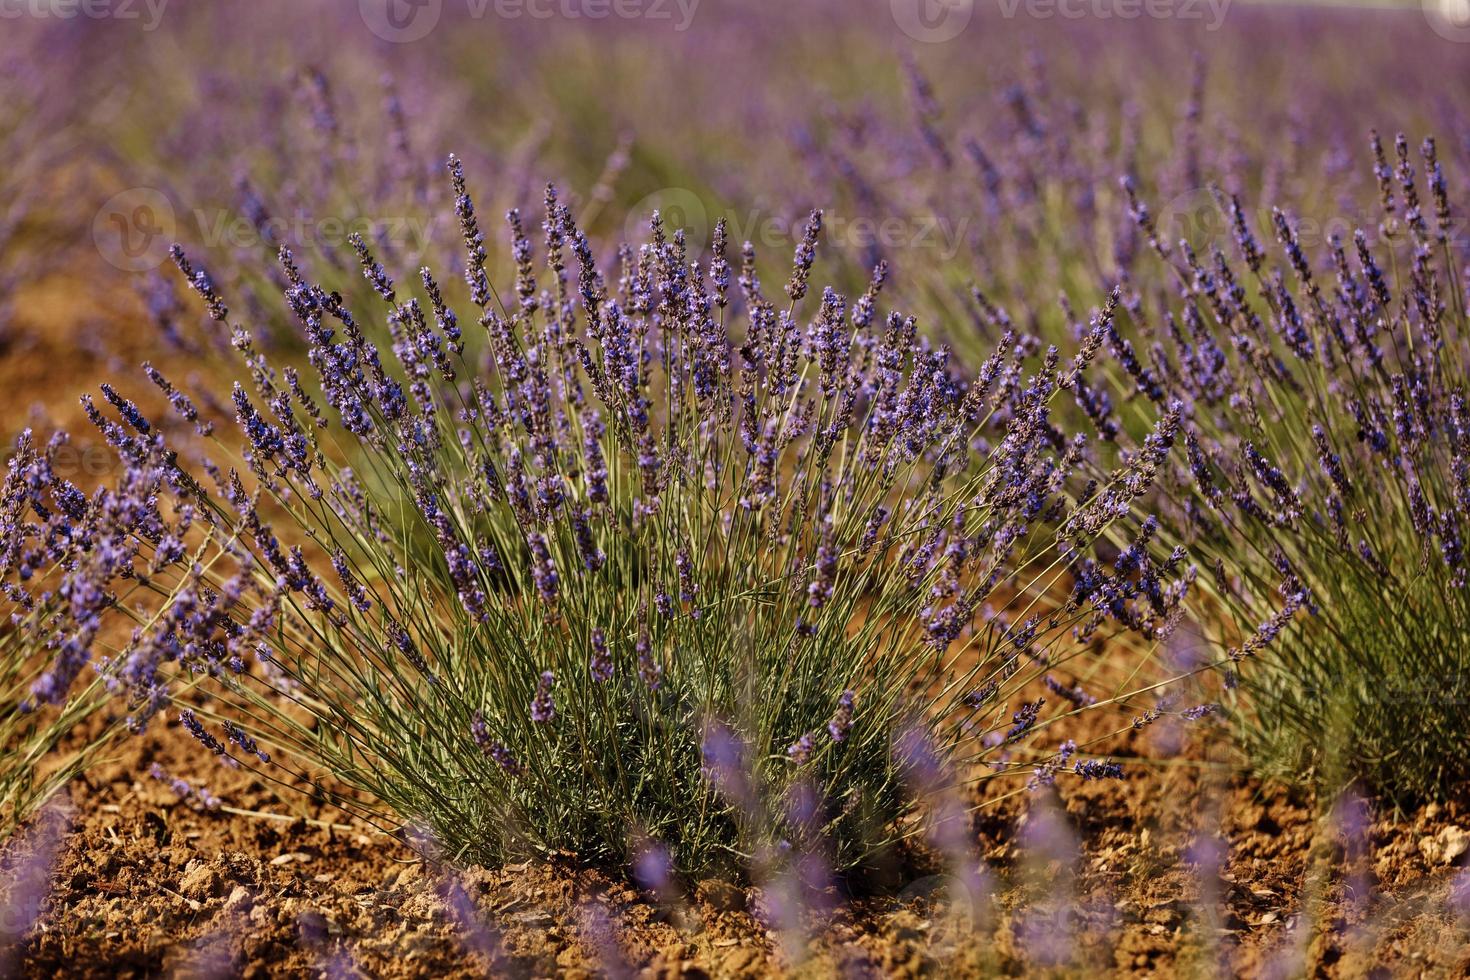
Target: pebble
[739,961]
[240,900]
[1445,847]
[721,895]
[201,881]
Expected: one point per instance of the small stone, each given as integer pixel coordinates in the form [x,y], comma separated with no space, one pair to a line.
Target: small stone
[239,900]
[740,962]
[721,895]
[1453,843]
[314,925]
[201,882]
[570,960]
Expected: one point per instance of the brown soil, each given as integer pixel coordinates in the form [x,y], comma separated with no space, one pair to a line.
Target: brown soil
[148,883]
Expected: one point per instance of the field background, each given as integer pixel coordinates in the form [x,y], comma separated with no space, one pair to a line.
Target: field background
[1185,866]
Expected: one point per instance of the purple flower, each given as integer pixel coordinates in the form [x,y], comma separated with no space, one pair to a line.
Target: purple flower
[499,754]
[474,242]
[982,695]
[801,750]
[841,722]
[653,869]
[1093,769]
[126,409]
[1074,694]
[821,587]
[241,738]
[649,670]
[1023,720]
[543,569]
[806,254]
[592,556]
[601,663]
[724,761]
[543,709]
[350,584]
[372,270]
[196,728]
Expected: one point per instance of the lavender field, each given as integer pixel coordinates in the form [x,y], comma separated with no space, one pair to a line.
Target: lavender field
[725,488]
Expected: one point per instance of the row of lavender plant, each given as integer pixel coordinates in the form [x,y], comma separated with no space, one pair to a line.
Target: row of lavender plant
[1327,445]
[1322,390]
[659,561]
[1001,135]
[1324,477]
[1039,177]
[42,750]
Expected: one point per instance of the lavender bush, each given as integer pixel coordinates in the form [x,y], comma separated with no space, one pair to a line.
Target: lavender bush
[629,559]
[47,734]
[1326,476]
[732,527]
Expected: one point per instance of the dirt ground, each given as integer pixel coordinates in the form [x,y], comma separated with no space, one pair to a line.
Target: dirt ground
[1177,869]
[1183,867]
